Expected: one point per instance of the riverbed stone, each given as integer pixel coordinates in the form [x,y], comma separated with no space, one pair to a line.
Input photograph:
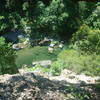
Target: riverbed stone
[44,63]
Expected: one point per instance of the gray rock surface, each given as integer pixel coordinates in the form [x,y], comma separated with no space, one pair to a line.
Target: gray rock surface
[38,86]
[44,63]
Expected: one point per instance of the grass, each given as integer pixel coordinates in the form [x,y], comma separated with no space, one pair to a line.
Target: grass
[69,58]
[87,64]
[28,55]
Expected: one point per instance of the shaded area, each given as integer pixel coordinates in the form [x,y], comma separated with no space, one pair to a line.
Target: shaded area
[33,87]
[13,36]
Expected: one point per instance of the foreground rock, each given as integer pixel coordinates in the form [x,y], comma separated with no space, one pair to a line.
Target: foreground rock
[41,86]
[74,78]
[28,87]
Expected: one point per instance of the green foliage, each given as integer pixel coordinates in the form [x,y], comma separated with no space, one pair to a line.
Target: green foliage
[57,18]
[3,24]
[87,39]
[9,21]
[14,20]
[94,19]
[26,26]
[7,58]
[56,67]
[88,64]
[50,18]
[81,34]
[25,5]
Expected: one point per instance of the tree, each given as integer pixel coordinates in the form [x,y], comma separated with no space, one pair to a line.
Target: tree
[94,19]
[7,58]
[49,20]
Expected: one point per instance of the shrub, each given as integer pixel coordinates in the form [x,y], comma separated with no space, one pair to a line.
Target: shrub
[88,64]
[56,67]
[87,39]
[7,58]
[81,34]
[94,37]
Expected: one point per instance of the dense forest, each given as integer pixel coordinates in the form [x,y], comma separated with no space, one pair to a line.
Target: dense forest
[51,36]
[54,18]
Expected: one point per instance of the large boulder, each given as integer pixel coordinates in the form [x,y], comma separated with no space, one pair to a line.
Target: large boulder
[45,42]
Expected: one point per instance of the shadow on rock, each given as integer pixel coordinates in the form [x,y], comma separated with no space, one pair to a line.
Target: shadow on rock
[34,87]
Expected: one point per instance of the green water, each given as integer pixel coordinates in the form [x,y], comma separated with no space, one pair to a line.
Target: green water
[28,55]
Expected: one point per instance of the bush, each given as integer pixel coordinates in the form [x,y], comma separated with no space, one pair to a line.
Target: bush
[7,58]
[88,64]
[87,39]
[56,67]
[81,34]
